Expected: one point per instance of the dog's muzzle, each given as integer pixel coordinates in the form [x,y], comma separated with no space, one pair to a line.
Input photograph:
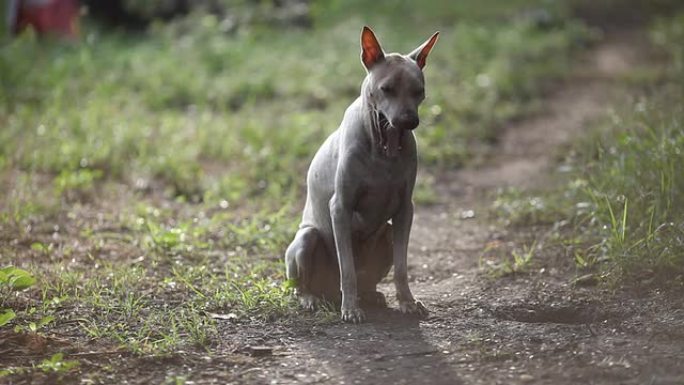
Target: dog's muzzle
[406,122]
[391,136]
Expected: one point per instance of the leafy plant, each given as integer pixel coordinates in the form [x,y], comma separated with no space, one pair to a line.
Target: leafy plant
[522,260]
[6,316]
[79,181]
[57,364]
[34,327]
[504,263]
[13,279]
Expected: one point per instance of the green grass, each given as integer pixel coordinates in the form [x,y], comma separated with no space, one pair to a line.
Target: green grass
[634,182]
[151,182]
[167,106]
[621,213]
[637,192]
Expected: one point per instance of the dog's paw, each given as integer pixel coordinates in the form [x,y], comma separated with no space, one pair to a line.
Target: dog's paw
[373,299]
[353,315]
[413,307]
[308,302]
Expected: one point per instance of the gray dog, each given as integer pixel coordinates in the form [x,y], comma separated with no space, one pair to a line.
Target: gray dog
[361,178]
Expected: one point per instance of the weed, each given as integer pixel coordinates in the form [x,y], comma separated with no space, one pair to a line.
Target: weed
[175,380]
[497,262]
[521,261]
[13,279]
[6,316]
[34,327]
[80,181]
[57,364]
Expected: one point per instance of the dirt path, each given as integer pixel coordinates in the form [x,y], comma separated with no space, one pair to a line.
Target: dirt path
[527,328]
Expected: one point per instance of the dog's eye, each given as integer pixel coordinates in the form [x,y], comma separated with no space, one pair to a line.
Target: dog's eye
[387,89]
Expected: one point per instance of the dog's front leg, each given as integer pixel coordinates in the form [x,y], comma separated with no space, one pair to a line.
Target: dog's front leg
[341,216]
[401,227]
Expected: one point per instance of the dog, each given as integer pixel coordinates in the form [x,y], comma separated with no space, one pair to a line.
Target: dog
[360,179]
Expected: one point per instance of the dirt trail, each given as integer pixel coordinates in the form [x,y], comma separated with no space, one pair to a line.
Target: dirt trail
[528,328]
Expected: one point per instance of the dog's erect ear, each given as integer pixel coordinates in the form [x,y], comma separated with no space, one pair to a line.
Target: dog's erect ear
[420,54]
[371,52]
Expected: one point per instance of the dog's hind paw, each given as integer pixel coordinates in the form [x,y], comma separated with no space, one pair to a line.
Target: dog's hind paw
[354,315]
[309,301]
[413,307]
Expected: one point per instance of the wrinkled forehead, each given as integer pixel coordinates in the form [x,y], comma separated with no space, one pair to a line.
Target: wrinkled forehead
[397,69]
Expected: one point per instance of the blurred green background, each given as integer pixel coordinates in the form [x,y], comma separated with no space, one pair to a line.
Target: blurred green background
[229,99]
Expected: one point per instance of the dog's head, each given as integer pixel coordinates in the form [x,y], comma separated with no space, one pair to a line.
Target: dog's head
[395,86]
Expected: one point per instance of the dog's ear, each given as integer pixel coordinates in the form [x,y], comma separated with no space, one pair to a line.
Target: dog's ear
[371,52]
[420,54]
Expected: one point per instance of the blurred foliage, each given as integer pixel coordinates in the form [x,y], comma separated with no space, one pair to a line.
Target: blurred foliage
[213,112]
[669,35]
[623,13]
[235,13]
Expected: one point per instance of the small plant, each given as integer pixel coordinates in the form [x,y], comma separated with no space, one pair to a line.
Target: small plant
[6,315]
[521,261]
[13,279]
[34,327]
[76,182]
[166,239]
[514,263]
[57,364]
[584,261]
[42,248]
[175,380]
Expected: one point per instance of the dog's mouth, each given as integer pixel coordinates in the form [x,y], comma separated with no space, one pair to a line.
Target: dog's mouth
[390,137]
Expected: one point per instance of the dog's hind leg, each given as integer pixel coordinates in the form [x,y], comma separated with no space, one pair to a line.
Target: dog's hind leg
[308,263]
[303,243]
[299,264]
[375,261]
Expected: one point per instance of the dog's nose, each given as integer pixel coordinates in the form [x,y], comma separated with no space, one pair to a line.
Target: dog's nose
[407,121]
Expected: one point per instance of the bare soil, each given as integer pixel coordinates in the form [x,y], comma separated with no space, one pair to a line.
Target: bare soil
[531,327]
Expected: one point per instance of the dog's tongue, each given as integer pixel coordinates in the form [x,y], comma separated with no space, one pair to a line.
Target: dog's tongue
[392,141]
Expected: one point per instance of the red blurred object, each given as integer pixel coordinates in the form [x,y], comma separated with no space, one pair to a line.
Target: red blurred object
[46,17]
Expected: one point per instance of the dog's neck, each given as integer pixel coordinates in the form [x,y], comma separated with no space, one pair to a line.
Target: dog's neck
[386,141]
[372,125]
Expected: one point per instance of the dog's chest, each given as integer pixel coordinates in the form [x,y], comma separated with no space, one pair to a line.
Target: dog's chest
[378,201]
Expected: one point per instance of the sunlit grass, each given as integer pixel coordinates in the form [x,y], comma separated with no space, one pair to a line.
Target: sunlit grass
[620,215]
[170,106]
